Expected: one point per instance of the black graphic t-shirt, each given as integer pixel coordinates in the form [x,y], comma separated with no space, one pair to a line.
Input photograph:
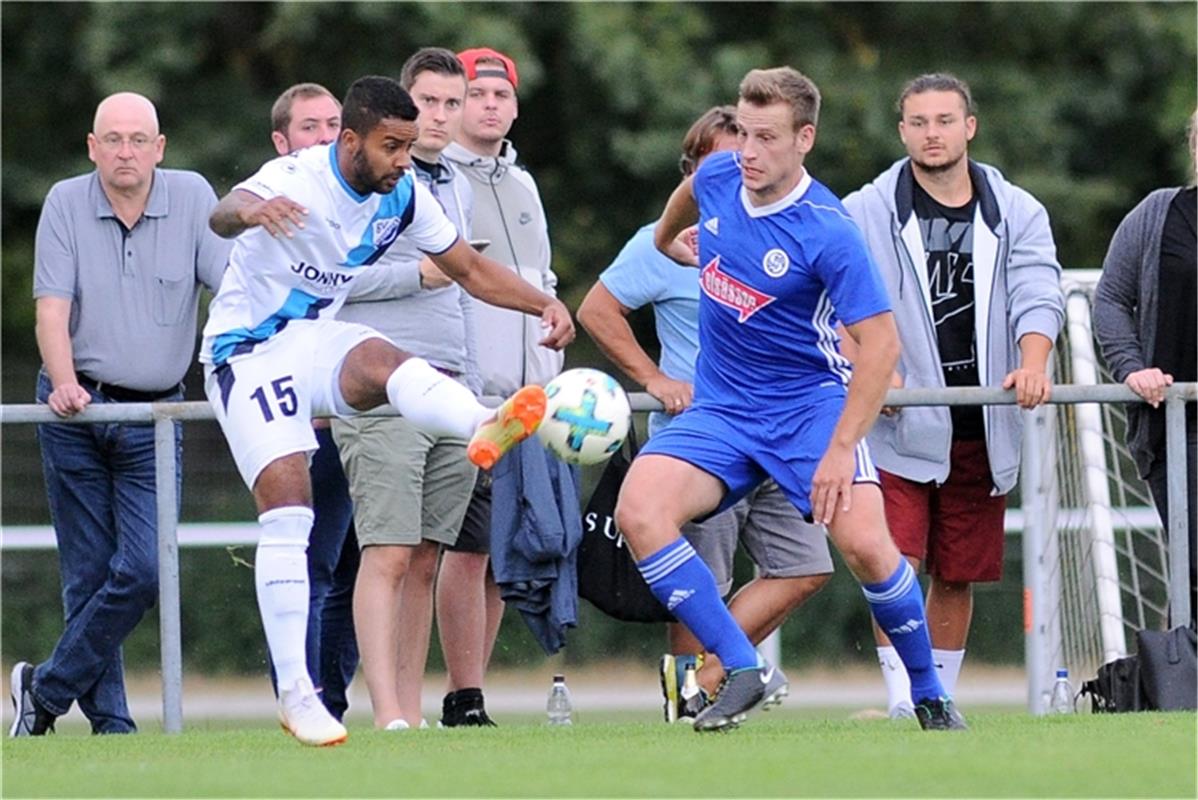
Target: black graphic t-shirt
[948,242]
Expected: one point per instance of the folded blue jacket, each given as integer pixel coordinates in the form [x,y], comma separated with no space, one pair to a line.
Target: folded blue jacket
[536,527]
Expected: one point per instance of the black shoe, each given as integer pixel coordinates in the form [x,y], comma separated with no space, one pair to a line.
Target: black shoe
[465,708]
[30,719]
[739,692]
[939,714]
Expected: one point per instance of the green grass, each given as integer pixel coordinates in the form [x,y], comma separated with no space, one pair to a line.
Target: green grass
[1003,755]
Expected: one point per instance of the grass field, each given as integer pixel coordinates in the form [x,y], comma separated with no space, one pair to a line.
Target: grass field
[775,755]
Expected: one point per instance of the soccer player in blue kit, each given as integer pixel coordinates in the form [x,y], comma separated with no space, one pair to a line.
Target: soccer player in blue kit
[781,263]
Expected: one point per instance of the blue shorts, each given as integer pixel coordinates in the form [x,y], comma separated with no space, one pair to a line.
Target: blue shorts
[742,450]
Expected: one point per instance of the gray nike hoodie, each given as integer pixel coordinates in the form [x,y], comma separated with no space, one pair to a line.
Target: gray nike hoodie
[1017,286]
[508,212]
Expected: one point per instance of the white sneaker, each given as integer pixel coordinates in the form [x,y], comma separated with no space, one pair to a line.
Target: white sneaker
[902,710]
[303,716]
[403,725]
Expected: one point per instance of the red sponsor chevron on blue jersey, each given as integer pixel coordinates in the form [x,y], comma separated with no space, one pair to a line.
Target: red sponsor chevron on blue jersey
[728,291]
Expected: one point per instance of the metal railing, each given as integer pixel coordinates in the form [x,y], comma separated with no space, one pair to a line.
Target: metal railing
[164,415]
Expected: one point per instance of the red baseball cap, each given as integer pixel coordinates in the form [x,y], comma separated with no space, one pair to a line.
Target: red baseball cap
[470,59]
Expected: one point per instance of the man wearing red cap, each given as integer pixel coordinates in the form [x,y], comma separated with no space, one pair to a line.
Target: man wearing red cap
[508,212]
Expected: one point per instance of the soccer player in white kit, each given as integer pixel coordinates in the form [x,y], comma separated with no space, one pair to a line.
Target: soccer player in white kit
[306,224]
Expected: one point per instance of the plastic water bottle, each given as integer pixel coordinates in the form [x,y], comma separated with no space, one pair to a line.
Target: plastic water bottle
[559,707]
[1061,701]
[692,702]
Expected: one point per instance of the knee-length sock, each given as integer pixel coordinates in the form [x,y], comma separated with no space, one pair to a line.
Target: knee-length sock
[897,605]
[683,584]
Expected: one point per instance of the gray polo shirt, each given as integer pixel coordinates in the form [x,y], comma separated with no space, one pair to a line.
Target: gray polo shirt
[134,293]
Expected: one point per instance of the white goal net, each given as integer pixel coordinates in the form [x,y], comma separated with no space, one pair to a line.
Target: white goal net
[1102,561]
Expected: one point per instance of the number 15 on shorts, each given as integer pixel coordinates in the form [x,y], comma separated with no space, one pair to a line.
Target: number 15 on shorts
[282,397]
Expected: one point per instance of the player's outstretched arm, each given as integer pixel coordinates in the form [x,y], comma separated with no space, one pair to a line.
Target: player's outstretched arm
[494,283]
[240,210]
[682,211]
[877,354]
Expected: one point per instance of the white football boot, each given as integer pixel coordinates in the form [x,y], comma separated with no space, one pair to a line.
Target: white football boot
[303,716]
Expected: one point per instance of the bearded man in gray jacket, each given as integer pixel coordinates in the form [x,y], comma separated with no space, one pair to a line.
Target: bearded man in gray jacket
[969,261]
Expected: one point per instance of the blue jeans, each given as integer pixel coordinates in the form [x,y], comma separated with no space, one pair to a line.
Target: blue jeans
[101,488]
[331,647]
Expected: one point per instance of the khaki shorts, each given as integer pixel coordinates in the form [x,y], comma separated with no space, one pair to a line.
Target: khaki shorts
[777,538]
[405,485]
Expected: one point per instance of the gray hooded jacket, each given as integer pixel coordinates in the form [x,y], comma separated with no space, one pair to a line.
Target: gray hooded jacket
[508,212]
[1017,286]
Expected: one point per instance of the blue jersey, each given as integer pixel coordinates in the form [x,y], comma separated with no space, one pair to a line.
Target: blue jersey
[775,280]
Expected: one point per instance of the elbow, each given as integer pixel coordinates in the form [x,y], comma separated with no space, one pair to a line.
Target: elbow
[660,240]
[589,316]
[889,353]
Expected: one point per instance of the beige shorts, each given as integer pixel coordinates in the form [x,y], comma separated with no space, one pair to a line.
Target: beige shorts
[406,486]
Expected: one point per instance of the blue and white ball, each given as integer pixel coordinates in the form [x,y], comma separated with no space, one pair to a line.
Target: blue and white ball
[587,417]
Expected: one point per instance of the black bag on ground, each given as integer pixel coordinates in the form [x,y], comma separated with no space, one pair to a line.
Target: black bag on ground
[607,573]
[1169,668]
[1162,676]
[1117,687]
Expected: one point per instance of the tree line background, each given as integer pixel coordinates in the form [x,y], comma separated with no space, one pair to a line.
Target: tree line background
[1082,104]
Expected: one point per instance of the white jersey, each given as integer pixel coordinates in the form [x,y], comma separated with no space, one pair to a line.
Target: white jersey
[271,281]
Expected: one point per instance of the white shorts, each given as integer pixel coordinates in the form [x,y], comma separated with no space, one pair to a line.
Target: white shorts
[265,399]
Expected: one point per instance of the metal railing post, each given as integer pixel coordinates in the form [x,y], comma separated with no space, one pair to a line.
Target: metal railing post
[1032,491]
[1178,524]
[169,632]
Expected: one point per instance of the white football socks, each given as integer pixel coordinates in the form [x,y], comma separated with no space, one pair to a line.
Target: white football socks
[948,667]
[281,578]
[898,685]
[435,403]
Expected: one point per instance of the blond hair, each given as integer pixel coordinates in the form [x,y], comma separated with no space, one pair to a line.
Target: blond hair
[1192,138]
[763,87]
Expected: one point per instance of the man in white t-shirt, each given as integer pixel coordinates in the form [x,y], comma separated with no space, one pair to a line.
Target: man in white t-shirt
[306,225]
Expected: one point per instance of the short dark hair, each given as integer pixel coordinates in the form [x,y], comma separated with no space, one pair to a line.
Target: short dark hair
[938,82]
[700,139]
[280,112]
[430,59]
[763,87]
[373,98]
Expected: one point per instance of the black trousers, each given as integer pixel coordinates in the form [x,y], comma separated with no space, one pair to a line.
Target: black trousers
[1158,485]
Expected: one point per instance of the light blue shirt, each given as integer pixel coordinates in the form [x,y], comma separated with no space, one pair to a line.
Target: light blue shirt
[641,275]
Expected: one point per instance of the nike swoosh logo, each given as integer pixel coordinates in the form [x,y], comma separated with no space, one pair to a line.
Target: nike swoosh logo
[768,675]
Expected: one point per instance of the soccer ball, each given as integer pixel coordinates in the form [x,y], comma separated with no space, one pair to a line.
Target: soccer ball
[587,417]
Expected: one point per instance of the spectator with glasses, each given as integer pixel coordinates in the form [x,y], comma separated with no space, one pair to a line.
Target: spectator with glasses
[120,256]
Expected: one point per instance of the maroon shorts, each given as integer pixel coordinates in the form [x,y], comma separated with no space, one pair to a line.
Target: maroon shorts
[955,529]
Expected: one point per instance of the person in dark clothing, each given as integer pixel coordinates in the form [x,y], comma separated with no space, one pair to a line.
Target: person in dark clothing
[1148,277]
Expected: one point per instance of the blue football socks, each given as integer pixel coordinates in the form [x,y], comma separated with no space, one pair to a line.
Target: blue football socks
[683,584]
[897,605]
